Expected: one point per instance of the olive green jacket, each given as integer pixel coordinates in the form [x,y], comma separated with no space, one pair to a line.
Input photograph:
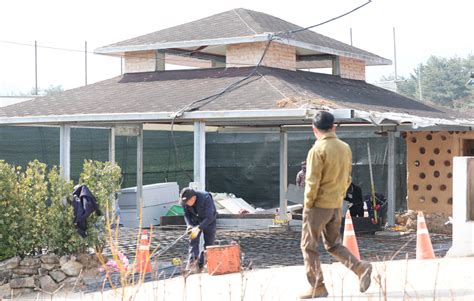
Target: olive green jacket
[328,172]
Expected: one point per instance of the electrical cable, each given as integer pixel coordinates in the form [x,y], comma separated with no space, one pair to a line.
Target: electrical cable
[187,107]
[230,87]
[171,60]
[227,88]
[327,21]
[272,37]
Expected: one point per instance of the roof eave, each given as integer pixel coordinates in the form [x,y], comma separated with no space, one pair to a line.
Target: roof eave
[181,44]
[236,115]
[275,117]
[369,59]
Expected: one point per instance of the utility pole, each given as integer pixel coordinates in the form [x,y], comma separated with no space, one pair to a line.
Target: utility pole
[351,35]
[419,82]
[36,68]
[395,54]
[85,60]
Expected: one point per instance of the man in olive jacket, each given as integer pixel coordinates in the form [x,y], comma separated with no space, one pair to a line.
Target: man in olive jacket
[328,175]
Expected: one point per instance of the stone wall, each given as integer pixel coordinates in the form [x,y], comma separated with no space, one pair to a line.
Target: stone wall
[48,273]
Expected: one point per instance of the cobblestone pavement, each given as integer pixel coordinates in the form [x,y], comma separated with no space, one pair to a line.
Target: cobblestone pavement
[269,248]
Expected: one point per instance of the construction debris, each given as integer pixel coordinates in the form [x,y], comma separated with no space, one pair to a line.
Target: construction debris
[436,222]
[228,203]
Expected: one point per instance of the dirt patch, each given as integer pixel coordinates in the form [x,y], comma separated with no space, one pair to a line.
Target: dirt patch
[436,222]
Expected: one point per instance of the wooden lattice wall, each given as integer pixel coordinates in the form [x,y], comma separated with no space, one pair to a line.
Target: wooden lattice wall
[429,168]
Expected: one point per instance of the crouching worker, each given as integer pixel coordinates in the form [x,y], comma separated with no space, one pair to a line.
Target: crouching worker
[200,215]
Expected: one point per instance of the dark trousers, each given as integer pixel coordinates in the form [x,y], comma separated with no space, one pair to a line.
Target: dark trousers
[325,223]
[194,251]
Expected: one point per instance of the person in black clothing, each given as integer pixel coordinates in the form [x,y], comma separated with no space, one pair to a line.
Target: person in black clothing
[200,215]
[354,196]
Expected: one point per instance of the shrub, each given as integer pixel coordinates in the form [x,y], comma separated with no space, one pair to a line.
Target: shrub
[9,210]
[103,180]
[62,234]
[35,216]
[32,198]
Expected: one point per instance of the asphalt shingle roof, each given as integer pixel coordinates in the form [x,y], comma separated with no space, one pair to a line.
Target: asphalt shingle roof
[239,22]
[267,89]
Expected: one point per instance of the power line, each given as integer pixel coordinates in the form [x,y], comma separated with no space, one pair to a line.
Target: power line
[239,83]
[329,20]
[43,46]
[171,60]
[189,107]
[271,37]
[235,85]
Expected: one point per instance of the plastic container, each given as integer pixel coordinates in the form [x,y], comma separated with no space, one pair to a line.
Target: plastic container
[175,210]
[157,200]
[223,259]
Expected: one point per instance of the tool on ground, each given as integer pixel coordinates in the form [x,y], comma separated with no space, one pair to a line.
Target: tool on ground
[161,252]
[424,249]
[349,240]
[143,258]
[372,186]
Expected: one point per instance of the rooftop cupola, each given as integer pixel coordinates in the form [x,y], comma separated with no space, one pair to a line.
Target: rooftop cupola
[238,38]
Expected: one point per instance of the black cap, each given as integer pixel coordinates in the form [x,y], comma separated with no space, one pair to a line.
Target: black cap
[185,194]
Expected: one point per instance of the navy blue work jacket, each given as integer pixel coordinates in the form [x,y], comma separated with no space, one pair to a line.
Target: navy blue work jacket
[203,213]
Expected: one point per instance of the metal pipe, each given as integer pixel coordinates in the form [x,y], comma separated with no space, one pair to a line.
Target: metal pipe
[391,178]
[200,154]
[395,54]
[112,145]
[139,199]
[351,35]
[85,61]
[36,68]
[283,173]
[65,150]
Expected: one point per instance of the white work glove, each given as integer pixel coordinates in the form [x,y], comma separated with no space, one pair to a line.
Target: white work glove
[194,232]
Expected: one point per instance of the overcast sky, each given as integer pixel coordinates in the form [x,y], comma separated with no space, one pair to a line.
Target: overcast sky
[423,28]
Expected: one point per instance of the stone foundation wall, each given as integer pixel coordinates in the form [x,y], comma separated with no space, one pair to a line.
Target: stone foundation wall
[48,273]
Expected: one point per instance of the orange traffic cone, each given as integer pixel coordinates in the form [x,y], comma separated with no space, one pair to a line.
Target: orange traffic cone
[424,249]
[143,257]
[350,241]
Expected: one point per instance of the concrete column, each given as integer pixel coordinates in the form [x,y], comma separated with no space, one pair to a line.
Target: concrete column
[200,154]
[336,66]
[112,145]
[463,207]
[218,64]
[140,171]
[391,179]
[283,173]
[65,150]
[160,60]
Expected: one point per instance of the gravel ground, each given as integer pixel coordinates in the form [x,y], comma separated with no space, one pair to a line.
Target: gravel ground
[269,248]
